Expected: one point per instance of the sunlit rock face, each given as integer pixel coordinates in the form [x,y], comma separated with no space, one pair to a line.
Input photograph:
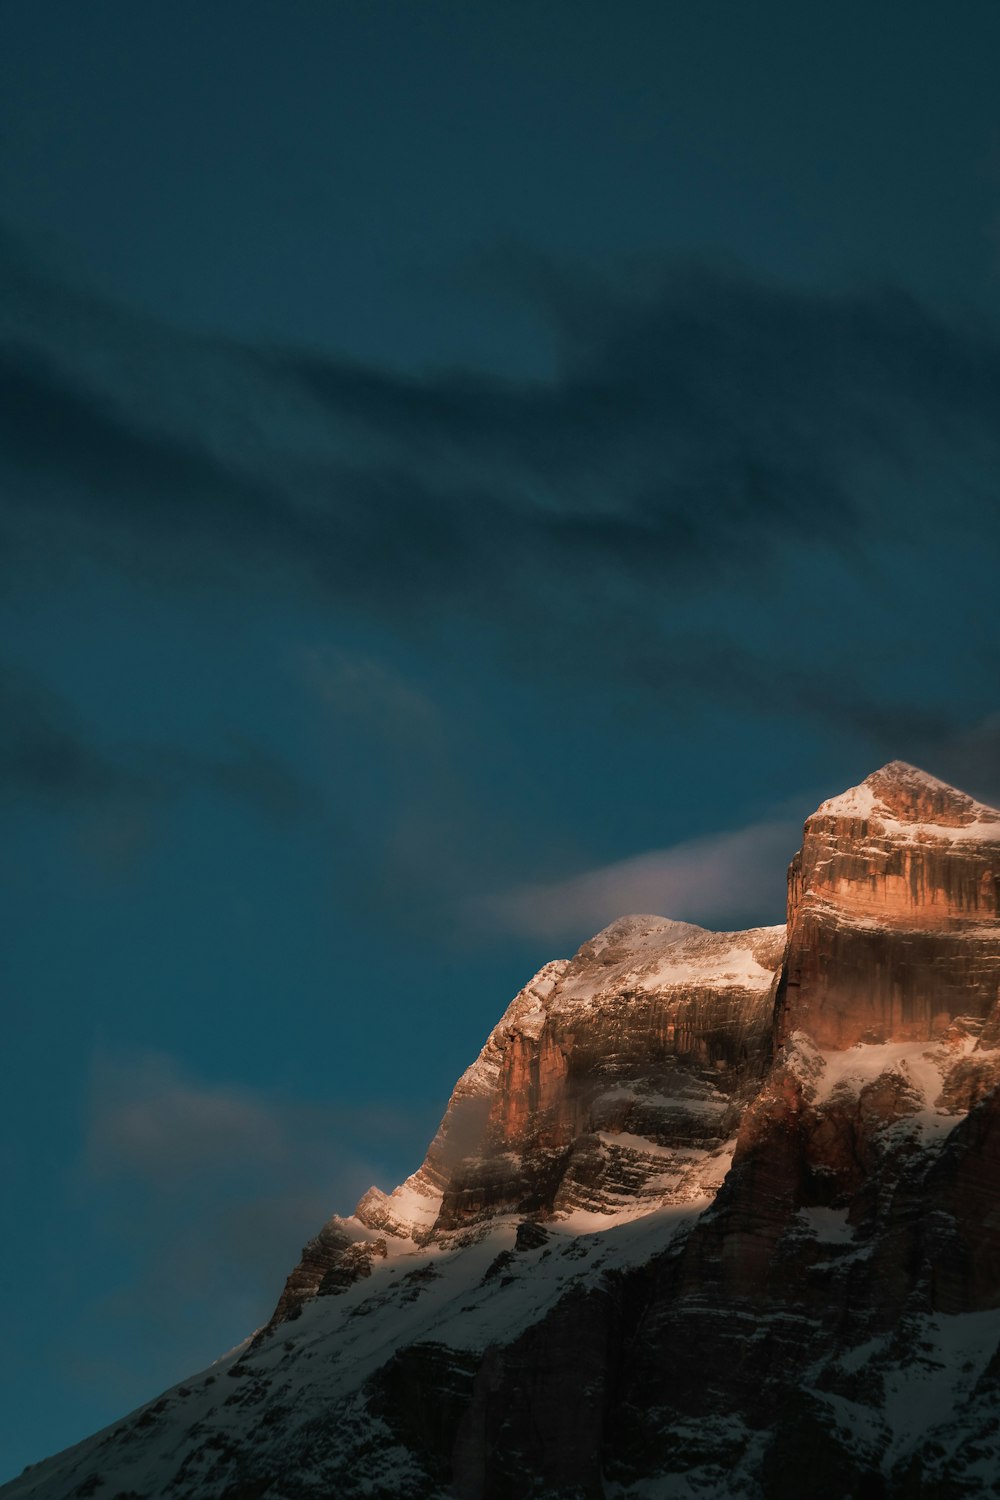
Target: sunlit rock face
[627,1075]
[893,926]
[614,1082]
[711,1214]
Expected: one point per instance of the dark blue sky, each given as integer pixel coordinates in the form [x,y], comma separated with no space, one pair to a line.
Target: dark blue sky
[466,469]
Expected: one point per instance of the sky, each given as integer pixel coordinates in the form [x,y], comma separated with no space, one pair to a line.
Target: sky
[466,471]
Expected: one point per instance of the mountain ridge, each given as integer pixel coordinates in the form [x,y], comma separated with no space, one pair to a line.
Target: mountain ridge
[706,1208]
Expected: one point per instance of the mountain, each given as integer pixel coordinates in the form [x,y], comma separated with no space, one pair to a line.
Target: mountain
[711,1214]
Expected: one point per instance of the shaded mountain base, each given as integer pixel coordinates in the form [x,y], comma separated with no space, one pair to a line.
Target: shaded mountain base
[778,1348]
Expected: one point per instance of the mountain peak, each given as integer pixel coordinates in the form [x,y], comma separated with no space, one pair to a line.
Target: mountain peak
[904,853]
[902,794]
[904,772]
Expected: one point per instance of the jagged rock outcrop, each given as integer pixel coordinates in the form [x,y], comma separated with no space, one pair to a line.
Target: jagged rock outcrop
[711,1214]
[613,1082]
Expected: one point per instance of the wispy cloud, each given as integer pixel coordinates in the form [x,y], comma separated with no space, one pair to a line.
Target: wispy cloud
[150,1121]
[47,754]
[360,687]
[700,426]
[735,878]
[202,1191]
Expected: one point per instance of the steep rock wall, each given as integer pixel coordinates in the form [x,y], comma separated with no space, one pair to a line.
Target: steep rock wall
[893,926]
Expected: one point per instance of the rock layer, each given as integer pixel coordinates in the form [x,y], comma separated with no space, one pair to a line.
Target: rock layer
[893,925]
[614,1080]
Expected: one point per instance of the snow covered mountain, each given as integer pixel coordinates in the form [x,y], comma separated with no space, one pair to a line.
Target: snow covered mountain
[711,1214]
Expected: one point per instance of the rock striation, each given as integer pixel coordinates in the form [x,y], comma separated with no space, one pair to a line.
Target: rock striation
[711,1214]
[893,913]
[614,1082]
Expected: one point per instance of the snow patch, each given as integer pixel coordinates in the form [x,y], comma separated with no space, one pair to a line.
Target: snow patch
[829,1225]
[922,1065]
[926,1392]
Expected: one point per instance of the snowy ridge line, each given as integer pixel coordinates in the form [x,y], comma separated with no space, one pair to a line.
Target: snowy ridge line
[976,820]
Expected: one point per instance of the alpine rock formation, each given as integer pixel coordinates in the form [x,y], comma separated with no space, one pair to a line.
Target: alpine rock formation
[711,1214]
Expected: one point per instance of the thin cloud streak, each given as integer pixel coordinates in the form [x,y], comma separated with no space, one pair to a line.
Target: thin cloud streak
[737,878]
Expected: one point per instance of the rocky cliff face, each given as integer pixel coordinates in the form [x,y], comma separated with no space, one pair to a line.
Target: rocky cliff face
[893,920]
[712,1214]
[614,1082]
